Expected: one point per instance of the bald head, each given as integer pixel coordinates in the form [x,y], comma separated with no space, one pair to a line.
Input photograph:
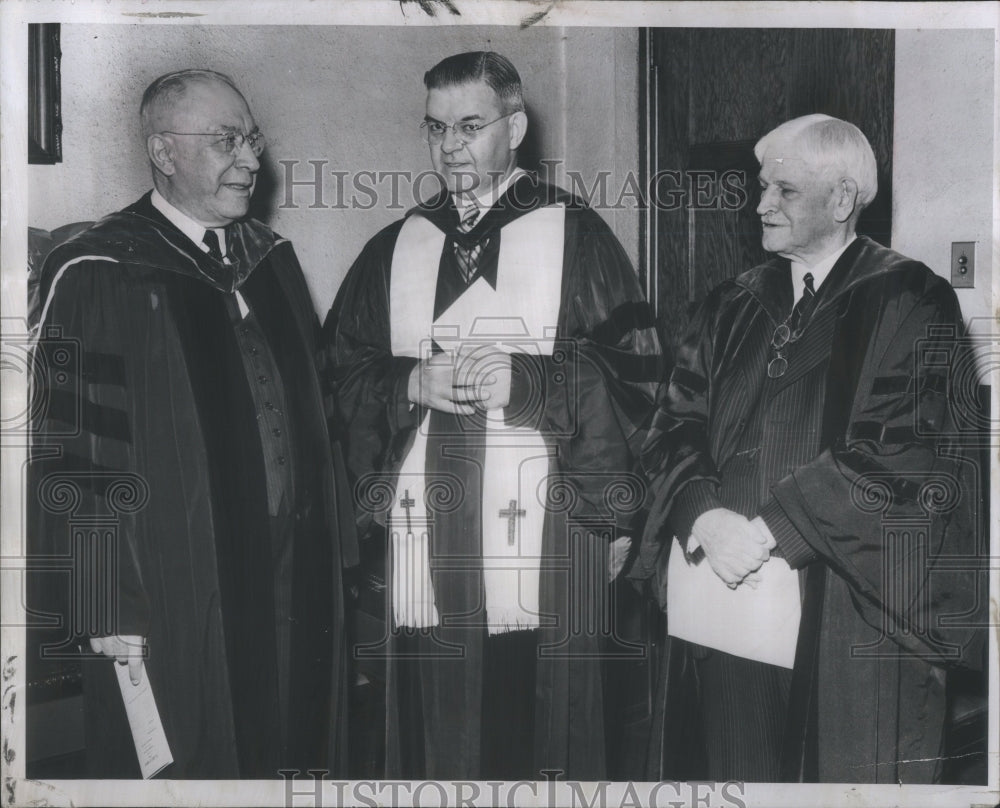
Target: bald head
[203,144]
[166,95]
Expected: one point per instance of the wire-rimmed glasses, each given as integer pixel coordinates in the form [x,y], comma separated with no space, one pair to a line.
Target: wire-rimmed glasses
[782,337]
[464,131]
[230,142]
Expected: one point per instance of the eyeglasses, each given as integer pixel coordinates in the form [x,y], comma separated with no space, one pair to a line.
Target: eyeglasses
[465,131]
[782,337]
[230,142]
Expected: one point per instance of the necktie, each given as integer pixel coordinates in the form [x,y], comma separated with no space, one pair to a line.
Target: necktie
[468,257]
[211,240]
[804,305]
[469,218]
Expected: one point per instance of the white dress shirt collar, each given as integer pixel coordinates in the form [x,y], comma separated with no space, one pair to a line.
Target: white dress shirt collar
[188,226]
[819,271]
[488,198]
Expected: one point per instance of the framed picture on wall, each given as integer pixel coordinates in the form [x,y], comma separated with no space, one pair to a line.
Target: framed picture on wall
[44,112]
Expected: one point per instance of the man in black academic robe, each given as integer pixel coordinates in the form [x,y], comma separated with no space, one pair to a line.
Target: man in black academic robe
[823,432]
[470,695]
[182,467]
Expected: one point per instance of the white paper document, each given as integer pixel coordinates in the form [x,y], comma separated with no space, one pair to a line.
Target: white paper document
[144,720]
[760,624]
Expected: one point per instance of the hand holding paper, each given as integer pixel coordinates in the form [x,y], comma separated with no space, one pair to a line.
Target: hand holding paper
[125,649]
[733,546]
[151,745]
[759,623]
[765,532]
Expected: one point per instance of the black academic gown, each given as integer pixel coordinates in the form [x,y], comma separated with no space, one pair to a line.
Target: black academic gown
[876,518]
[146,426]
[590,400]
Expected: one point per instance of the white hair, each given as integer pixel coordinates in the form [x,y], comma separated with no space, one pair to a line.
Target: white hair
[838,146]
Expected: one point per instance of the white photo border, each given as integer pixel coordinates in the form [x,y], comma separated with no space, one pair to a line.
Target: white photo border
[16,14]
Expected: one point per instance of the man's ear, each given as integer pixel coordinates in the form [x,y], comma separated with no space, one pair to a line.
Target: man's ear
[160,154]
[518,129]
[846,202]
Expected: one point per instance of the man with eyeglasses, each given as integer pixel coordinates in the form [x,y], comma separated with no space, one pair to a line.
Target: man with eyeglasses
[196,387]
[801,435]
[495,365]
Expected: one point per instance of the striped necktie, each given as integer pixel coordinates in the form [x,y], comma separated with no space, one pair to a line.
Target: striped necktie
[469,218]
[804,306]
[468,257]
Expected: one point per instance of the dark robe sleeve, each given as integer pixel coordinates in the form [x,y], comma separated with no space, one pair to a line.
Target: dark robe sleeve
[849,506]
[677,456]
[337,487]
[84,457]
[368,383]
[600,381]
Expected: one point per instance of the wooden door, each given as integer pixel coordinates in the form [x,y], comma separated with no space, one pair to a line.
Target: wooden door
[710,95]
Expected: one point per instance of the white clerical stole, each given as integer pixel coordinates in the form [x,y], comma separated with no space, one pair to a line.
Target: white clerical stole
[519,315]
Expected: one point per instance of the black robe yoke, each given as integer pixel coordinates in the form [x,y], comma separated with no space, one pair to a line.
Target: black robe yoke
[593,398]
[882,517]
[147,417]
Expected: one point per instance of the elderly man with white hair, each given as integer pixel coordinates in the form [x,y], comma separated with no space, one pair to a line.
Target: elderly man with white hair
[802,474]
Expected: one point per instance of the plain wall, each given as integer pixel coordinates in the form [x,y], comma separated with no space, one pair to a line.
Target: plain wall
[349,97]
[942,173]
[352,98]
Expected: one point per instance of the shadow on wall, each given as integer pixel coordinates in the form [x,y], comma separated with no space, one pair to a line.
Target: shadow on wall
[530,154]
[264,200]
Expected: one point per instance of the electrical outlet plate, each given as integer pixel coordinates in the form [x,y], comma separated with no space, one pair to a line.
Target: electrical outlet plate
[963,272]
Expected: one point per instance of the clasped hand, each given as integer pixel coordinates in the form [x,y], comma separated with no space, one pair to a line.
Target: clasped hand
[124,649]
[734,546]
[476,377]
